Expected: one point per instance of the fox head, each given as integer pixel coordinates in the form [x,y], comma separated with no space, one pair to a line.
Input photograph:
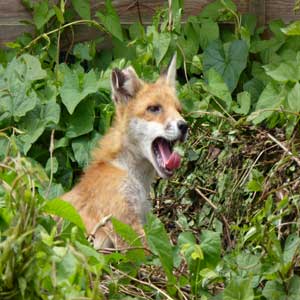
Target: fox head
[151,116]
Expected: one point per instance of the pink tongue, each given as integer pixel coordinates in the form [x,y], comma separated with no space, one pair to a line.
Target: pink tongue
[171,160]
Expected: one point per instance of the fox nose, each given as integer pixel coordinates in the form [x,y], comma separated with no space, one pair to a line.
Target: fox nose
[183,127]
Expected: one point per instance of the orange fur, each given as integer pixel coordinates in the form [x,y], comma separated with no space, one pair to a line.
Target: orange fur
[100,191]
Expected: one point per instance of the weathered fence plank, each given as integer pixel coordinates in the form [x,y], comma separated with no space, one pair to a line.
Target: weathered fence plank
[13,12]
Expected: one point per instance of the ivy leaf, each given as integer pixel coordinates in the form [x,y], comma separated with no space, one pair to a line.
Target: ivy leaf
[294,98]
[76,86]
[229,62]
[82,7]
[111,20]
[82,120]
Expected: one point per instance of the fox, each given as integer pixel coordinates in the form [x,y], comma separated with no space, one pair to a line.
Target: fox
[138,146]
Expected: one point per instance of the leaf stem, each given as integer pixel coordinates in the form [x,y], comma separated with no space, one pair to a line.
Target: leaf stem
[46,35]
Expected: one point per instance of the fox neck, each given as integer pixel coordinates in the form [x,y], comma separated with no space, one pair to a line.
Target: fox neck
[140,175]
[135,164]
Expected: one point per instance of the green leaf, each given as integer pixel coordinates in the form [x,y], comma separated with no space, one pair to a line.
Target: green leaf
[82,148]
[54,164]
[187,243]
[294,288]
[159,243]
[249,262]
[291,248]
[55,191]
[161,43]
[276,28]
[89,252]
[17,97]
[64,210]
[229,62]
[83,51]
[76,86]
[66,266]
[249,22]
[286,71]
[256,182]
[136,30]
[209,31]
[42,14]
[216,8]
[132,238]
[106,115]
[274,290]
[243,103]
[217,87]
[82,120]
[269,99]
[111,20]
[211,246]
[82,7]
[292,29]
[59,14]
[239,289]
[35,122]
[33,69]
[18,102]
[294,98]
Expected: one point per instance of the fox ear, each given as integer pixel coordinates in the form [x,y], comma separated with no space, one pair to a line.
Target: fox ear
[125,84]
[171,72]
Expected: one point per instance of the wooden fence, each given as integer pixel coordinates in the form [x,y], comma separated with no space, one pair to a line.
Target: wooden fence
[12,13]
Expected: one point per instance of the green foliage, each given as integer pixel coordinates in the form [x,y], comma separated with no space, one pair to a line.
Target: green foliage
[36,261]
[232,209]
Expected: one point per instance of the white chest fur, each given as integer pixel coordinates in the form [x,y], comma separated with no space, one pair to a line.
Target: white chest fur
[136,186]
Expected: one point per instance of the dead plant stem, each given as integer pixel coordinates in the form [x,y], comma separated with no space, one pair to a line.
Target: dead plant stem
[225,222]
[284,148]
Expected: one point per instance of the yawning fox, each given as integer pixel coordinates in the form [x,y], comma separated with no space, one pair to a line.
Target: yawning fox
[139,144]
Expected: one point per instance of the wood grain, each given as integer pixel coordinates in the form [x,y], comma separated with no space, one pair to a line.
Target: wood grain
[13,12]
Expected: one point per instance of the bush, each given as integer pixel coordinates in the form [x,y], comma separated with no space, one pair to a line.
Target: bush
[232,210]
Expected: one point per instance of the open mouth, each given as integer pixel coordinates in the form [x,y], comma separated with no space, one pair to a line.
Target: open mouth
[166,159]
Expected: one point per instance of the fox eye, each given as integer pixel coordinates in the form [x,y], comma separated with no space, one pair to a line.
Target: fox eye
[155,109]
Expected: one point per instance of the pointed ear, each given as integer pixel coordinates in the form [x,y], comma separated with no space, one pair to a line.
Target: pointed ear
[125,84]
[171,72]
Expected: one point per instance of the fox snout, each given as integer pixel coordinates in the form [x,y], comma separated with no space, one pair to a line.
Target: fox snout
[177,130]
[183,129]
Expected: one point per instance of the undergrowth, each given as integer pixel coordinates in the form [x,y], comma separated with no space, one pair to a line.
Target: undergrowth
[225,227]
